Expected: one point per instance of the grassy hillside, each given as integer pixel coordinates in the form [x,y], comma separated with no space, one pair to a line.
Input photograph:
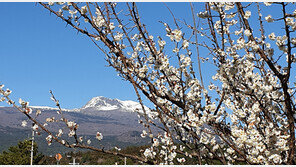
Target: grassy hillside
[13,135]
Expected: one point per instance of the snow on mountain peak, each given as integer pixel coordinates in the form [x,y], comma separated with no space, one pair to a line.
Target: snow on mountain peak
[103,103]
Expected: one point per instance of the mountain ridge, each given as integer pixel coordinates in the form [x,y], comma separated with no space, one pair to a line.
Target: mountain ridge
[102,103]
[118,123]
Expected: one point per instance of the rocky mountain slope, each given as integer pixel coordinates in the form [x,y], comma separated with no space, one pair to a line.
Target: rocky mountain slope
[114,118]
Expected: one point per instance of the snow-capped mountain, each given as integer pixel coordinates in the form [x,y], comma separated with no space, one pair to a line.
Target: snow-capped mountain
[99,105]
[110,116]
[114,118]
[104,104]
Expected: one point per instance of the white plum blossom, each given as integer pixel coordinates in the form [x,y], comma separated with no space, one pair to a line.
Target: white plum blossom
[49,139]
[176,50]
[203,15]
[71,133]
[161,43]
[118,37]
[175,35]
[81,139]
[99,136]
[185,44]
[269,18]
[7,92]
[155,142]
[293,41]
[275,158]
[143,134]
[83,10]
[65,7]
[88,141]
[117,149]
[24,123]
[247,14]
[72,12]
[38,112]
[248,33]
[23,103]
[272,36]
[181,160]
[238,32]
[35,127]
[60,133]
[60,3]
[267,3]
[71,124]
[149,153]
[111,26]
[290,21]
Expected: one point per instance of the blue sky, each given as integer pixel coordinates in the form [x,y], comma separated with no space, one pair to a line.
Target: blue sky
[39,53]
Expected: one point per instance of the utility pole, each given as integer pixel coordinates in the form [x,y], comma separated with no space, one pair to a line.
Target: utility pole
[74,159]
[74,163]
[32,147]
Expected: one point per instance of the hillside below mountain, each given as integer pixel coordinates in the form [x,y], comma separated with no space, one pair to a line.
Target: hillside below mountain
[114,118]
